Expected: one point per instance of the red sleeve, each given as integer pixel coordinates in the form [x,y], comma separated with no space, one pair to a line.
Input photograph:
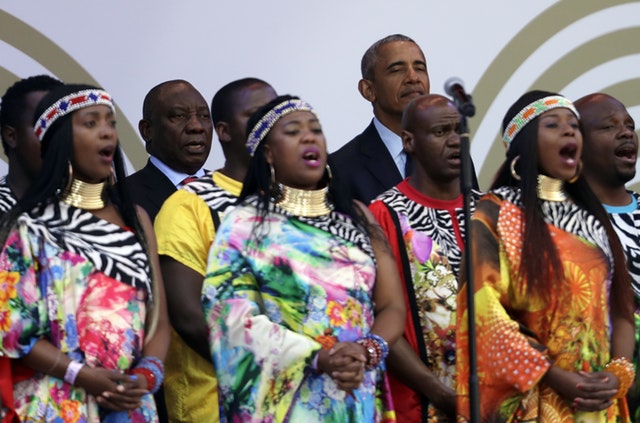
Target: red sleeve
[382,215]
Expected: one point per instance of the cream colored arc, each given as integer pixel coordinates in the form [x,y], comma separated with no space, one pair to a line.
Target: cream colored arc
[567,68]
[34,44]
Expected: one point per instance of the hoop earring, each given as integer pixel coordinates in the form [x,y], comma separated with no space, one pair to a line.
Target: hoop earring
[513,168]
[67,186]
[275,188]
[111,179]
[273,175]
[329,174]
[577,175]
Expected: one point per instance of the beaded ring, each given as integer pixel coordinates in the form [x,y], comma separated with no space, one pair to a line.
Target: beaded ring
[624,370]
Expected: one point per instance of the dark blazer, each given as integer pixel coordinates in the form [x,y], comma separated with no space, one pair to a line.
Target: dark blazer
[149,187]
[365,165]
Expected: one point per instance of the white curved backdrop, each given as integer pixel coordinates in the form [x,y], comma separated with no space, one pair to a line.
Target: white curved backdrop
[499,49]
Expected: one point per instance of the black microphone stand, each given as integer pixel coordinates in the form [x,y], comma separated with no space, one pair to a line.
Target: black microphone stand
[466,181]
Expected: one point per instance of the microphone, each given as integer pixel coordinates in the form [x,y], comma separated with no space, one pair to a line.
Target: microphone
[455,89]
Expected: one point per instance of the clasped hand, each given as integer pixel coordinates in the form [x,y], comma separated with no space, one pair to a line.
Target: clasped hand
[589,391]
[113,389]
[345,363]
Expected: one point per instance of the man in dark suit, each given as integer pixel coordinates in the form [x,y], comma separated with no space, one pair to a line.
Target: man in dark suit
[177,129]
[394,71]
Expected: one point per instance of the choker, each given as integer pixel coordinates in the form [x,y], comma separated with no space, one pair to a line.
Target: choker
[304,203]
[84,195]
[551,189]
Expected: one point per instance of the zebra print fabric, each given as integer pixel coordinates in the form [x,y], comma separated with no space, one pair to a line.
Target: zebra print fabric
[569,217]
[113,250]
[217,199]
[436,223]
[335,223]
[627,226]
[7,199]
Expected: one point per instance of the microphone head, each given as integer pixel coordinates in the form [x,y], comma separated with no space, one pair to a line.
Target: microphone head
[450,83]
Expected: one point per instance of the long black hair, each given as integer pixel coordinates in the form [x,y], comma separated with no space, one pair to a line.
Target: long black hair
[542,268]
[57,151]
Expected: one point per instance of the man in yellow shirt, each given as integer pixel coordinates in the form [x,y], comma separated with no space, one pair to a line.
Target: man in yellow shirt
[185,228]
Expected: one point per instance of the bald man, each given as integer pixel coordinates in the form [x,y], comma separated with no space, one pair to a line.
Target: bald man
[427,206]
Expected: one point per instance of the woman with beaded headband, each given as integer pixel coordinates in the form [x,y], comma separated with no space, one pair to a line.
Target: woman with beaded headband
[553,311]
[301,294]
[82,305]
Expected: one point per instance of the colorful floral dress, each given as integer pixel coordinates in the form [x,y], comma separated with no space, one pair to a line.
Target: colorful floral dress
[427,239]
[81,283]
[517,335]
[7,201]
[272,293]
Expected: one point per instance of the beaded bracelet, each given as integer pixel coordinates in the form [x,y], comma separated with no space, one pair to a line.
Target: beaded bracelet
[147,374]
[624,370]
[152,369]
[377,349]
[73,368]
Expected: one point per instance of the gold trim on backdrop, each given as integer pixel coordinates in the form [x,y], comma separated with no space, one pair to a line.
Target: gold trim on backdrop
[58,62]
[581,57]
[523,44]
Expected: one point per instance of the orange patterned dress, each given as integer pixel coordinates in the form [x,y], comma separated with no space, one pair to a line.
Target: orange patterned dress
[517,334]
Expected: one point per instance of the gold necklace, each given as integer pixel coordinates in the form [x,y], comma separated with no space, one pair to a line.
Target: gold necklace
[305,203]
[84,195]
[551,189]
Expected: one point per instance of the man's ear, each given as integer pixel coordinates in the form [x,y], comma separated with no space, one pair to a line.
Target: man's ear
[407,141]
[222,130]
[144,127]
[365,86]
[9,135]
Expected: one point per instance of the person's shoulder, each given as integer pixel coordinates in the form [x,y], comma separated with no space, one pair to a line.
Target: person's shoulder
[353,146]
[143,170]
[138,176]
[346,151]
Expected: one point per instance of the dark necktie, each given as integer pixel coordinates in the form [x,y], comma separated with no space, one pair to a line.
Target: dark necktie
[408,165]
[188,179]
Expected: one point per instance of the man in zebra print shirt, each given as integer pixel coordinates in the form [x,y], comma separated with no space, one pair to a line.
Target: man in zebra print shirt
[609,153]
[20,144]
[423,217]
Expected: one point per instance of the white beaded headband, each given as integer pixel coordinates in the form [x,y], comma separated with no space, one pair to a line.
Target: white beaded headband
[533,110]
[68,104]
[264,125]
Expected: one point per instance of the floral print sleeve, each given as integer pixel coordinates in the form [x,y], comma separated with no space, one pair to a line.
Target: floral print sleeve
[22,313]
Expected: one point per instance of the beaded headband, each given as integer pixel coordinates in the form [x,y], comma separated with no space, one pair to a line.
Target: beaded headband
[533,110]
[68,104]
[264,125]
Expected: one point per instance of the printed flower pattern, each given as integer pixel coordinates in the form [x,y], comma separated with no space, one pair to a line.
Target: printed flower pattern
[94,318]
[271,305]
